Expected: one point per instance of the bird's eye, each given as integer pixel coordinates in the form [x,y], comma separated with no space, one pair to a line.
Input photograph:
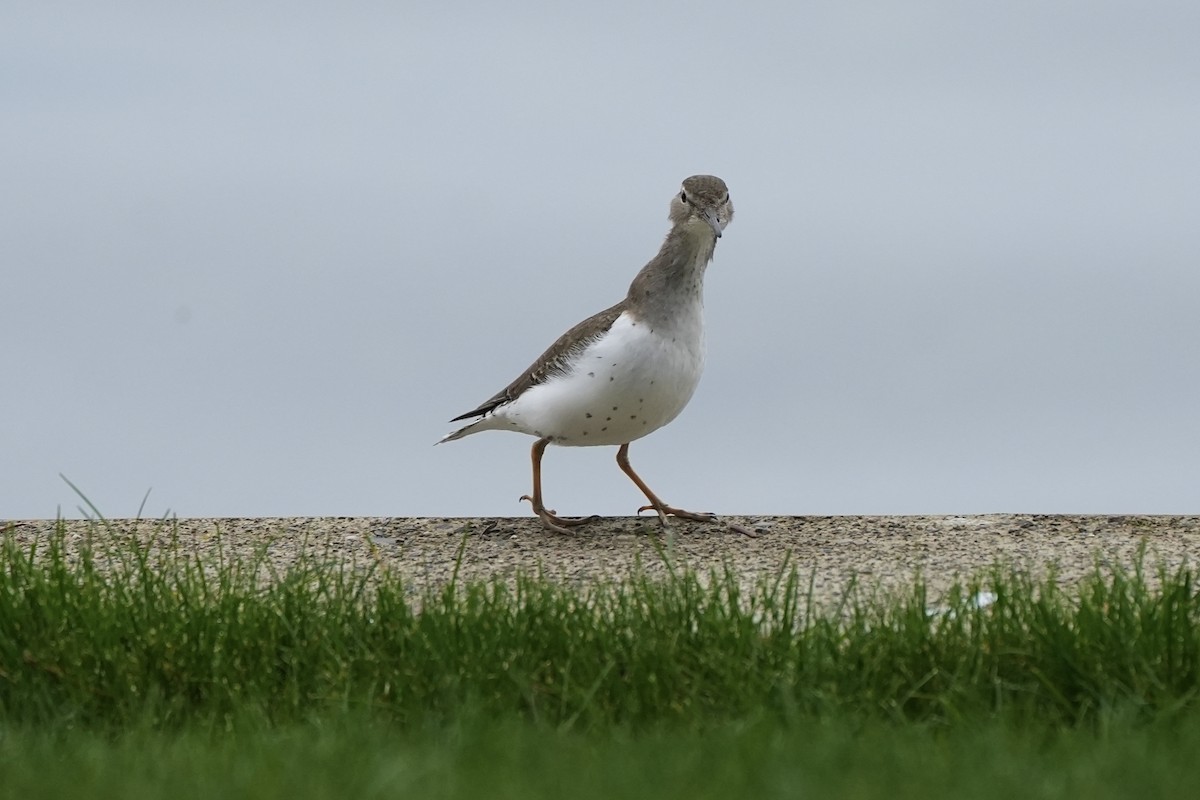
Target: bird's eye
[683,196]
[726,200]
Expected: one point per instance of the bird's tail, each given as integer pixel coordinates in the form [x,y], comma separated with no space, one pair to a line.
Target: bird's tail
[450,437]
[467,430]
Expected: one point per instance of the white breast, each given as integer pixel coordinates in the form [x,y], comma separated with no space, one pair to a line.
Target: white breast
[626,384]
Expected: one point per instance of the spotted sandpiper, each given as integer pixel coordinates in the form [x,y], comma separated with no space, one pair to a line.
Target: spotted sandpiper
[629,370]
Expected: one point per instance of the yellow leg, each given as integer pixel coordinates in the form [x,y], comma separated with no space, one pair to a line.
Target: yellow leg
[547,515]
[662,508]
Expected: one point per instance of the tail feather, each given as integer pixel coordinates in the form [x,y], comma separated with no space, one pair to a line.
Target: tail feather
[484,424]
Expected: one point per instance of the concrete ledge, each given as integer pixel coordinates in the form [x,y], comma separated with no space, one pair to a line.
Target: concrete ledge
[875,551]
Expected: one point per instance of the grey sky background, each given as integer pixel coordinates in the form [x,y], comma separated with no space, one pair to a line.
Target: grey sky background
[255,255]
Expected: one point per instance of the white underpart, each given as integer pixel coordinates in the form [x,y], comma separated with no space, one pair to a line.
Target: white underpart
[629,382]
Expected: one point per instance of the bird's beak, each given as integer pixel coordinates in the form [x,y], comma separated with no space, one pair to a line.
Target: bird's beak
[711,218]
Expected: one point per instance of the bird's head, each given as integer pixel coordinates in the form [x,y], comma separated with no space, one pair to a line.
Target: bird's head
[703,198]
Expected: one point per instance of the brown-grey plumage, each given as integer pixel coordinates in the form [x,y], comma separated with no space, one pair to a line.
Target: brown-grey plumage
[644,354]
[656,282]
[552,362]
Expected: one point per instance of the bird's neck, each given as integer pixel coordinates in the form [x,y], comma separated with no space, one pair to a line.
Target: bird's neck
[674,277]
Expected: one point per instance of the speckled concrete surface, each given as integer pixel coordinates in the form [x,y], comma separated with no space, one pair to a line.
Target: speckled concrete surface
[883,552]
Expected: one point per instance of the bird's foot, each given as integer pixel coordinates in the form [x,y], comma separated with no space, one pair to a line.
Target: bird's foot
[554,522]
[670,511]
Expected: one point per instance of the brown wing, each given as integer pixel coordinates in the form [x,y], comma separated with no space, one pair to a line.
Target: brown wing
[552,362]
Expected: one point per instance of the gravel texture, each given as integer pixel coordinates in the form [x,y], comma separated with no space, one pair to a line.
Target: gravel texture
[883,553]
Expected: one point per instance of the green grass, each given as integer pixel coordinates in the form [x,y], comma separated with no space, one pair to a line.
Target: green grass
[130,674]
[363,759]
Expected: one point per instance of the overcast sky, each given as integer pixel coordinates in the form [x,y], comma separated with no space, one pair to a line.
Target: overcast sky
[254,255]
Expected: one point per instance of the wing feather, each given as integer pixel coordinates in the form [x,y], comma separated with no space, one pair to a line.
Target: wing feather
[555,361]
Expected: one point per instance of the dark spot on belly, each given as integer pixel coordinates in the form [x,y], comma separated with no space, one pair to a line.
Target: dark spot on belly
[608,419]
[586,414]
[602,430]
[591,374]
[633,416]
[610,377]
[614,408]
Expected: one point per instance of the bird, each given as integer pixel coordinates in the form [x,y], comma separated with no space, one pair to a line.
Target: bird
[628,370]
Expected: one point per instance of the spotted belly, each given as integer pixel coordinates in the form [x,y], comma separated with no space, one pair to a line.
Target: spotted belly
[622,387]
